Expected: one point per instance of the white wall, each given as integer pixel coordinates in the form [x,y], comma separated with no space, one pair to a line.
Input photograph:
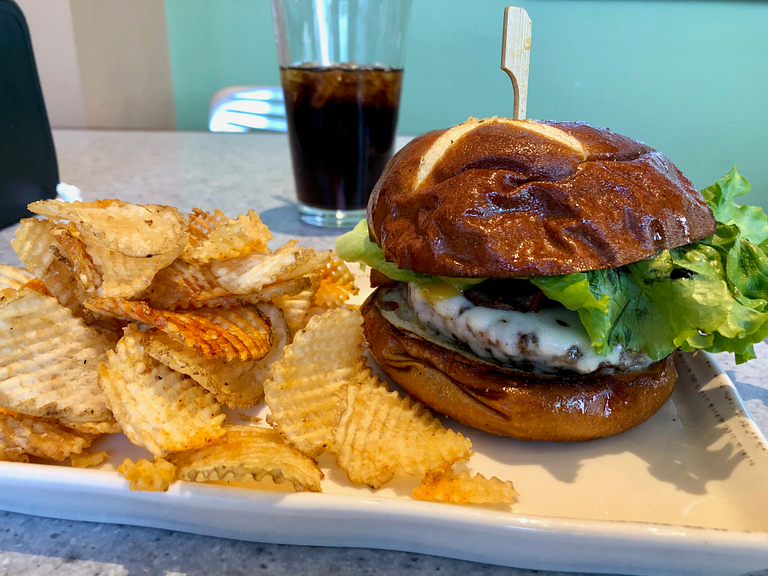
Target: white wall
[103,63]
[53,41]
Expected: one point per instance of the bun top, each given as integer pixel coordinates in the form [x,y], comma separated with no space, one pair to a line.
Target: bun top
[504,198]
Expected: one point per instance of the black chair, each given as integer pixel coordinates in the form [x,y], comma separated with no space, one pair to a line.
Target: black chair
[28,169]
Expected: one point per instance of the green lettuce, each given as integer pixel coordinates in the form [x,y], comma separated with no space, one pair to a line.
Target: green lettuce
[710,295]
[750,220]
[356,246]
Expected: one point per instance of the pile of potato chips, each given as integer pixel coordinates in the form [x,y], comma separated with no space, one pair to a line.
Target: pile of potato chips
[136,320]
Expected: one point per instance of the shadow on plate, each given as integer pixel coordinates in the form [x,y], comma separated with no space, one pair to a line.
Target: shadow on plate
[688,443]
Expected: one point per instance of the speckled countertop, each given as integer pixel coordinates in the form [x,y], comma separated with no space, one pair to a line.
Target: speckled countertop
[234,173]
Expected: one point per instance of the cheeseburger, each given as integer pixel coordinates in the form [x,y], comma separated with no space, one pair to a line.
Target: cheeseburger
[533,278]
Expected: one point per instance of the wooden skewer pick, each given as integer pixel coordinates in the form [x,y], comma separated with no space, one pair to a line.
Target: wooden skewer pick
[516,55]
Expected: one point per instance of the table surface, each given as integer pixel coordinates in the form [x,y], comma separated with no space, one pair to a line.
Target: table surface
[235,173]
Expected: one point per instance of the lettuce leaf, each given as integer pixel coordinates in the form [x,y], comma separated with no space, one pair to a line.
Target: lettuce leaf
[711,294]
[356,246]
[751,220]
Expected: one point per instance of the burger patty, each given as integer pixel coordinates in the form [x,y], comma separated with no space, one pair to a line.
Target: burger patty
[509,294]
[547,340]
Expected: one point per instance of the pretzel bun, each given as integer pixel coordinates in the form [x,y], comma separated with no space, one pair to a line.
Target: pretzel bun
[508,402]
[500,198]
[504,198]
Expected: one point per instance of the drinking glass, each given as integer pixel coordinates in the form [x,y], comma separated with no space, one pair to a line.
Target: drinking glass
[341,67]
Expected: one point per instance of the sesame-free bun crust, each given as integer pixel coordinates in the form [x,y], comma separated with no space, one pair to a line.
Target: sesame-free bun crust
[503,198]
[509,402]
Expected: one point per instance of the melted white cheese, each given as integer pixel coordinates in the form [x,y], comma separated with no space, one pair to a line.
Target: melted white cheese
[549,340]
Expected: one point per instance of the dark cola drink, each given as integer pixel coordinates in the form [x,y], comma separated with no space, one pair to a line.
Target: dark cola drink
[341,125]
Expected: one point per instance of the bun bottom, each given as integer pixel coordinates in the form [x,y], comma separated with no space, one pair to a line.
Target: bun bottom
[510,402]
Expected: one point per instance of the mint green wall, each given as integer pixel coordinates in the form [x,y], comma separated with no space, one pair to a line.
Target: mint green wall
[687,77]
[214,44]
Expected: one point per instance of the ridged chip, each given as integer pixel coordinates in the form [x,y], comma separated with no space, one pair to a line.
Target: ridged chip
[40,437]
[227,300]
[157,408]
[215,237]
[97,269]
[62,285]
[107,427]
[463,488]
[322,396]
[180,284]
[48,360]
[14,277]
[236,383]
[49,261]
[155,476]
[35,284]
[72,278]
[382,434]
[125,276]
[281,288]
[74,253]
[185,285]
[240,332]
[129,229]
[296,306]
[250,273]
[249,452]
[307,391]
[12,454]
[88,460]
[200,223]
[33,244]
[336,285]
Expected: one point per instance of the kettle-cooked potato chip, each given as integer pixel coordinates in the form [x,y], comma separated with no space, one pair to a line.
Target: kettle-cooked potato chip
[155,476]
[88,460]
[48,360]
[157,408]
[97,268]
[130,229]
[250,273]
[226,333]
[216,237]
[33,244]
[77,258]
[201,223]
[463,488]
[14,454]
[296,308]
[185,285]
[322,396]
[249,452]
[62,285]
[125,276]
[307,391]
[381,434]
[235,383]
[277,289]
[40,437]
[13,277]
[180,284]
[336,285]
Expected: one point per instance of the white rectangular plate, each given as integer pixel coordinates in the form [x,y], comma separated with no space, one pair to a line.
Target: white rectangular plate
[684,493]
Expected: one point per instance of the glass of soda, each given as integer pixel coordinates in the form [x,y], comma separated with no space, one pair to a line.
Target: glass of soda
[341,66]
